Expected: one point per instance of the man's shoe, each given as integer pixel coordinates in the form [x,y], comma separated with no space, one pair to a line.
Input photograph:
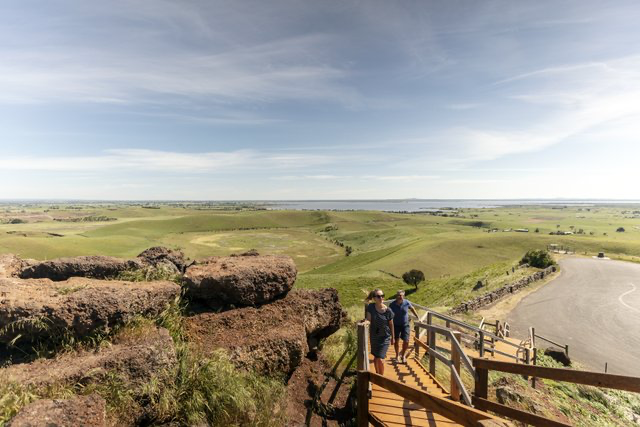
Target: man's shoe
[404,359]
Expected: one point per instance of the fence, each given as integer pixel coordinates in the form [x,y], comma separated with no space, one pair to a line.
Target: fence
[483,366]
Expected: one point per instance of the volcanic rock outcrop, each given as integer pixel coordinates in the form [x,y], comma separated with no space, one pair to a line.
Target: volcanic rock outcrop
[240,280]
[103,267]
[37,309]
[94,266]
[86,411]
[272,339]
[272,332]
[163,258]
[133,358]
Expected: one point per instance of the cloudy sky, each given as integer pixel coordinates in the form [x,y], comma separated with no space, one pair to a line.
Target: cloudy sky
[335,99]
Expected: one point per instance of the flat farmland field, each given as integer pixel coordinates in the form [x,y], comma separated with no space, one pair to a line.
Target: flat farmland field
[454,248]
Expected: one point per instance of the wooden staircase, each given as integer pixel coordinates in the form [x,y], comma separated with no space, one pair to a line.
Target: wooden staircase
[394,410]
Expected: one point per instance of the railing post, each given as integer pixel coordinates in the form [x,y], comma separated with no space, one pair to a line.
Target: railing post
[363,399]
[363,346]
[566,349]
[533,337]
[482,382]
[416,347]
[455,359]
[429,320]
[535,362]
[432,358]
[448,323]
[481,349]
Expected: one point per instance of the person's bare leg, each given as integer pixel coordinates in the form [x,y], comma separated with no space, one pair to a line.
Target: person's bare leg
[376,365]
[405,347]
[396,345]
[381,362]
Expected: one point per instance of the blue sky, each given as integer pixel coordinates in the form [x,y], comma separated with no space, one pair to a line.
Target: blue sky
[141,99]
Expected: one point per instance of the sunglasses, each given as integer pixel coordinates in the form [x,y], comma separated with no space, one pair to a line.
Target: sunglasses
[379,296]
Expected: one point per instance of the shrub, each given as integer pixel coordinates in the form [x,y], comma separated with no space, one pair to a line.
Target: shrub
[620,229]
[413,277]
[538,259]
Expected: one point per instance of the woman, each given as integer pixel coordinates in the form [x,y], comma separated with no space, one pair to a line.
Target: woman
[380,329]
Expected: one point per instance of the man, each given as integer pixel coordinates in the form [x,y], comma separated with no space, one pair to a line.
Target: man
[401,326]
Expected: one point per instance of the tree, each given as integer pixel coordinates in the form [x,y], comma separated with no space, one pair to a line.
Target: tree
[348,250]
[413,277]
[620,230]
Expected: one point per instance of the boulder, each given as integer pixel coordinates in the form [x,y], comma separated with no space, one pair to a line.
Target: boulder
[272,339]
[89,411]
[133,358]
[319,310]
[95,266]
[42,309]
[163,258]
[240,280]
[506,395]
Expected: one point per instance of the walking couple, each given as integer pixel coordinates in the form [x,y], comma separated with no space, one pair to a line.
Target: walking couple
[388,325]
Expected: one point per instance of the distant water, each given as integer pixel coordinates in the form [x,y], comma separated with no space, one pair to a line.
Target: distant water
[417,205]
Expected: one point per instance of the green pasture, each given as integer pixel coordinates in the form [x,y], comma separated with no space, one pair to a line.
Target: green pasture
[453,250]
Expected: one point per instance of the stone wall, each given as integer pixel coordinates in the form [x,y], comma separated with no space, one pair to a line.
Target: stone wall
[500,293]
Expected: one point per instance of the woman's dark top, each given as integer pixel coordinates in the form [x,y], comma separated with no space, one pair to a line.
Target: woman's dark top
[379,329]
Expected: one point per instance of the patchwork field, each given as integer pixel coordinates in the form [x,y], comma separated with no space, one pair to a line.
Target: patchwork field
[454,248]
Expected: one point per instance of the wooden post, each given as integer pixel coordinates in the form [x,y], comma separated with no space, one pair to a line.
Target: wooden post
[429,322]
[533,337]
[363,346]
[455,358]
[363,399]
[416,347]
[448,324]
[482,382]
[432,358]
[481,349]
[535,362]
[566,349]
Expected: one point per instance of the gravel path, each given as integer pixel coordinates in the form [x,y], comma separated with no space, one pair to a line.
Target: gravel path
[594,306]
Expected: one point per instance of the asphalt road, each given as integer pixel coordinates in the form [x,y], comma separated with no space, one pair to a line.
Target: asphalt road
[594,306]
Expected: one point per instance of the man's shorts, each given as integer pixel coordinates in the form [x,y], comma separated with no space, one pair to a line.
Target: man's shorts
[401,332]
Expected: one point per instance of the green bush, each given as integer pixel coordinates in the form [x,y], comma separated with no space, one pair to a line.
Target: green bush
[538,258]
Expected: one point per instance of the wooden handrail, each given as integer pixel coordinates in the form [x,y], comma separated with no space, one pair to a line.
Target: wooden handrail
[465,325]
[597,379]
[465,359]
[456,412]
[465,394]
[516,414]
[434,352]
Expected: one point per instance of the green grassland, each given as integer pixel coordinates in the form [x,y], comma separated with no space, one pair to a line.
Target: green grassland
[454,251]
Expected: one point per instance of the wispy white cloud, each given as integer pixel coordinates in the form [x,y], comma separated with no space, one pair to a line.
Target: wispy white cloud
[137,160]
